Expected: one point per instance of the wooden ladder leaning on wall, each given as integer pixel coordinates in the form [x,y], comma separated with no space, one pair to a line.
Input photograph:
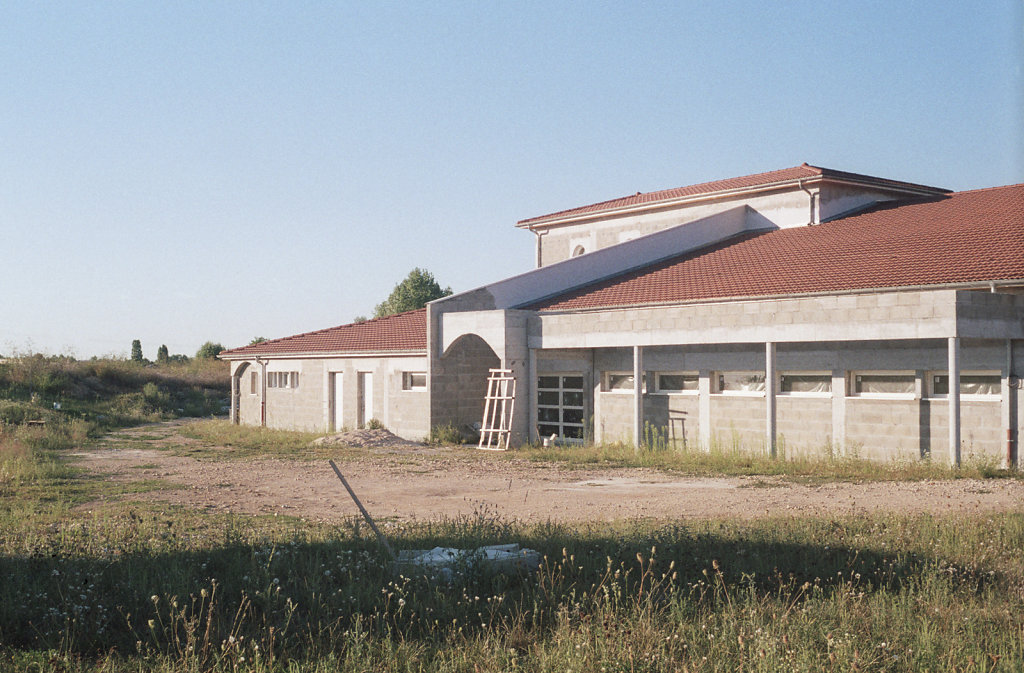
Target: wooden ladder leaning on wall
[499,406]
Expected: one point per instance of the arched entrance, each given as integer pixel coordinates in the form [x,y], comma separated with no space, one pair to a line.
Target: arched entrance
[459,381]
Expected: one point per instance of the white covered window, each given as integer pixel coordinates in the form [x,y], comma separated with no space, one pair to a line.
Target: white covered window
[254,383]
[282,379]
[805,383]
[414,380]
[676,382]
[899,384]
[972,384]
[617,382]
[740,382]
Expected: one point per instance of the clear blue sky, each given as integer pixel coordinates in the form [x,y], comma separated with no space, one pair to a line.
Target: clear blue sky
[179,172]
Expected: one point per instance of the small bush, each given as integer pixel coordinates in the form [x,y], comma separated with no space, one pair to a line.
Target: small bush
[445,435]
[374,424]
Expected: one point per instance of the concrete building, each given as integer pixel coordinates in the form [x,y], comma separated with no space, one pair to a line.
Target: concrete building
[806,309]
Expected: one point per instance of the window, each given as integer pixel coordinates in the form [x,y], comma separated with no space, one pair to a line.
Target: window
[740,382]
[888,384]
[578,250]
[414,380]
[617,382]
[972,384]
[805,383]
[560,406]
[254,383]
[676,382]
[282,379]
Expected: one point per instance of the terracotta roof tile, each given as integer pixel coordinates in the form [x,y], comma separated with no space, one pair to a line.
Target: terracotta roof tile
[399,332]
[743,182]
[975,236]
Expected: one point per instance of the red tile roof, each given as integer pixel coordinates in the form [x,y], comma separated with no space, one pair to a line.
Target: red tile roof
[804,171]
[975,236]
[399,332]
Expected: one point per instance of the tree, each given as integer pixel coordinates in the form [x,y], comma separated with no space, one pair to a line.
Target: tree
[208,351]
[257,340]
[414,292]
[136,351]
[161,354]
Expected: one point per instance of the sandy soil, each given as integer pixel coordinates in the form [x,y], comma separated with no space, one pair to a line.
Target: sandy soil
[416,482]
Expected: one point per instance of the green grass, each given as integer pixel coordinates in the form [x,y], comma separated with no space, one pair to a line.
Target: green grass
[144,588]
[243,441]
[719,461]
[126,586]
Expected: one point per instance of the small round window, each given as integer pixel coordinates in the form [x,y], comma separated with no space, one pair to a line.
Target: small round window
[578,250]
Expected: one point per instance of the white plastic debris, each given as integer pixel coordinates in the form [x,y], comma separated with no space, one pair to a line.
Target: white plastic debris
[507,559]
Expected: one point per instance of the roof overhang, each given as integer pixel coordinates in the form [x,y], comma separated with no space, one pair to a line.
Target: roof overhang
[325,355]
[900,188]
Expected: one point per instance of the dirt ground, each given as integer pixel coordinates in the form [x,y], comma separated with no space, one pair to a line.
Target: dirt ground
[416,482]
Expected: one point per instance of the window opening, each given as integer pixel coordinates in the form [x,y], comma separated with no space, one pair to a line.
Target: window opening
[560,406]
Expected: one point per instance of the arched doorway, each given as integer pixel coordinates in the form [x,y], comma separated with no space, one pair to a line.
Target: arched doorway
[459,381]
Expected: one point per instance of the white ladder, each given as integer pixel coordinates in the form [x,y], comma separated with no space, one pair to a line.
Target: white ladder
[498,407]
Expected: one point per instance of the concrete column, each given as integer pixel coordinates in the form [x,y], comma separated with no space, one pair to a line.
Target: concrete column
[234,399]
[770,424]
[1006,404]
[638,396]
[954,401]
[263,392]
[839,411]
[530,388]
[704,408]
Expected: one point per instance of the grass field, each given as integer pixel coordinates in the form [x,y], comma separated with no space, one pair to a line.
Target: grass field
[126,586]
[133,587]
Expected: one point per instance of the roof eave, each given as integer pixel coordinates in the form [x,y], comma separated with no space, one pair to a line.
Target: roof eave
[909,189]
[972,285]
[304,355]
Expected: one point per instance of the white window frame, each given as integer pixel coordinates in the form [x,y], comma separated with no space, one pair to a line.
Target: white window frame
[852,387]
[932,395]
[283,380]
[673,391]
[827,375]
[606,386]
[716,383]
[409,383]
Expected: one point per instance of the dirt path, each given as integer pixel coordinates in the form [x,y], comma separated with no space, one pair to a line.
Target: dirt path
[425,483]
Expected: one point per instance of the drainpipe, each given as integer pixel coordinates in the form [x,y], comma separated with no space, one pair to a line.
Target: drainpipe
[263,391]
[538,234]
[812,201]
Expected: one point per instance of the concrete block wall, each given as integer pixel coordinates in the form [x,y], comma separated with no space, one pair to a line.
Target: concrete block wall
[298,408]
[779,209]
[677,416]
[738,422]
[897,315]
[882,429]
[309,407]
[804,425]
[248,402]
[458,382]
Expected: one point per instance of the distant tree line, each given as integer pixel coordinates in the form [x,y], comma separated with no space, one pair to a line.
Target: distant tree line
[207,351]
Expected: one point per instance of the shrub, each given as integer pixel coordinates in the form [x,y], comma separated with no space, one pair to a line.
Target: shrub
[444,435]
[374,424]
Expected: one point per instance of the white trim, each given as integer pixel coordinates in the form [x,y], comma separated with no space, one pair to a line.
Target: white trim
[658,390]
[827,375]
[852,385]
[930,394]
[606,386]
